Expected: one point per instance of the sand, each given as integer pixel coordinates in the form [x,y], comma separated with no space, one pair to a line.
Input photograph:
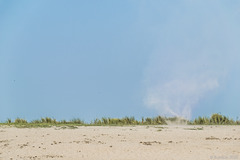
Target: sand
[121,143]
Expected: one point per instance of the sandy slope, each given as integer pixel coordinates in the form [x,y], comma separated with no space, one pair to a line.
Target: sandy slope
[121,143]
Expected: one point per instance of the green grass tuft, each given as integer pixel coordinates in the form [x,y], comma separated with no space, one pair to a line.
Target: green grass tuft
[215,119]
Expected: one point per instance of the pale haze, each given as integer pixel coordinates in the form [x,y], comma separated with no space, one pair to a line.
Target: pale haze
[92,59]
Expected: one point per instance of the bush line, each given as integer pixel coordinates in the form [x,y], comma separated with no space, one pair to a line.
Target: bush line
[215,119]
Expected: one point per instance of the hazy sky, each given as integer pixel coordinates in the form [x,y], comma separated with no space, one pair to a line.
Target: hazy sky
[89,59]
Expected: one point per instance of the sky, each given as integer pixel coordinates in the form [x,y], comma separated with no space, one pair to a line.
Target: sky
[90,59]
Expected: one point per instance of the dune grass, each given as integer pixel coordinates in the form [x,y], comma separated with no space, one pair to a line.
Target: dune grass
[215,119]
[49,122]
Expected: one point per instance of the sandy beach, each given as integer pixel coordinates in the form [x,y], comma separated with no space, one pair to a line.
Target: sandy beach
[121,143]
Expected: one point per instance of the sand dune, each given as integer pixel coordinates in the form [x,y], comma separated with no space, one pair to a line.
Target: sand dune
[121,143]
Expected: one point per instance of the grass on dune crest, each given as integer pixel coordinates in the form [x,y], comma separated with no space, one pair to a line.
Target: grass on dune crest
[130,121]
[48,122]
[215,119]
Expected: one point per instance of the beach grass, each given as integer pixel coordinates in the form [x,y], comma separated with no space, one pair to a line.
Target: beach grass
[215,119]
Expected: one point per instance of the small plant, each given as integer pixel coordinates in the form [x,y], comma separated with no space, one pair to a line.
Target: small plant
[215,119]
[48,120]
[20,121]
[9,121]
[97,122]
[77,121]
[148,121]
[63,121]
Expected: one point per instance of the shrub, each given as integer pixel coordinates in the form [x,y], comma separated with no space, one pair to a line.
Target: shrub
[20,121]
[159,120]
[48,120]
[201,120]
[77,121]
[219,119]
[9,120]
[215,119]
[97,121]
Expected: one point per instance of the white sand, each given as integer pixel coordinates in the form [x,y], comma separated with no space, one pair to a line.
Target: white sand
[121,143]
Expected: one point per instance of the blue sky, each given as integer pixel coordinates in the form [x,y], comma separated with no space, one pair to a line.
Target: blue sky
[90,59]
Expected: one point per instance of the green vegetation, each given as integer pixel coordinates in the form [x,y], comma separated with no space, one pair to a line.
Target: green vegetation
[215,119]
[43,122]
[129,121]
[48,122]
[19,121]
